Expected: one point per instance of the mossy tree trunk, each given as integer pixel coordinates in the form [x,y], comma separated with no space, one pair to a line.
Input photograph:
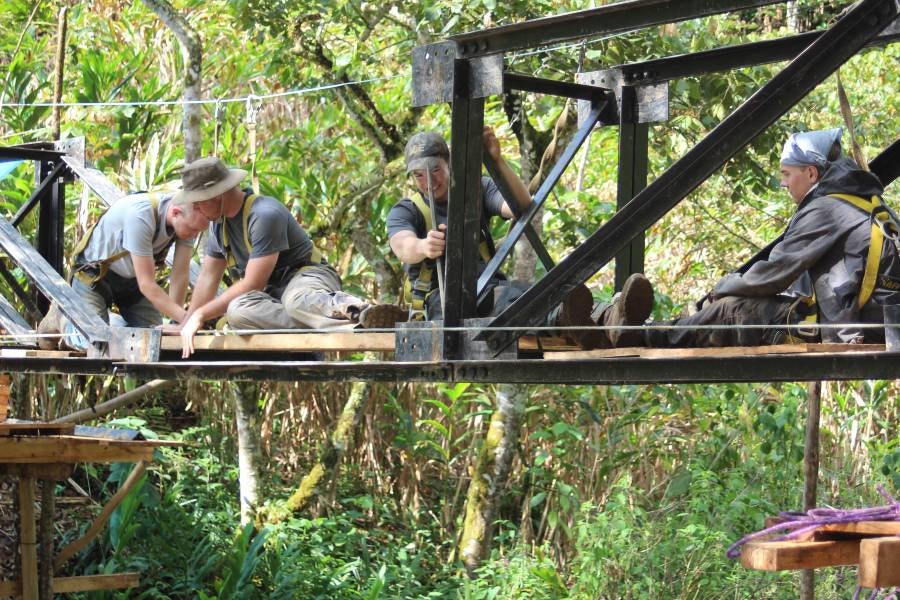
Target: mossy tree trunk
[246,412]
[491,472]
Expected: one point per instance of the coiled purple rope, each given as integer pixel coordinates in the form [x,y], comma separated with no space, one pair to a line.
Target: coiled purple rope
[798,523]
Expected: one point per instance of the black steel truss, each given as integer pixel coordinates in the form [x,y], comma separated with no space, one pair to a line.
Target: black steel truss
[795,81]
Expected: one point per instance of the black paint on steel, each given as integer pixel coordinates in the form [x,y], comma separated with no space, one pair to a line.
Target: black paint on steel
[788,87]
[52,216]
[632,178]
[51,283]
[887,164]
[10,320]
[18,290]
[39,193]
[464,210]
[660,70]
[515,232]
[533,238]
[612,18]
[538,85]
[10,153]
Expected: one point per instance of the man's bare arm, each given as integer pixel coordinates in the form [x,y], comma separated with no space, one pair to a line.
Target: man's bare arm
[180,275]
[145,271]
[412,249]
[521,195]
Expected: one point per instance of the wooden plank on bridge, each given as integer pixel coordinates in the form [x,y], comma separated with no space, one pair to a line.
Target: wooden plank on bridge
[72,449]
[879,562]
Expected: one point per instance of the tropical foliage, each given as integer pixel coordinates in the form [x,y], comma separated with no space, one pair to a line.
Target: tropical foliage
[615,492]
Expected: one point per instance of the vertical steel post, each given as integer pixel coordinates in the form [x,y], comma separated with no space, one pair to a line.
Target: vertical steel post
[633,147]
[51,223]
[464,209]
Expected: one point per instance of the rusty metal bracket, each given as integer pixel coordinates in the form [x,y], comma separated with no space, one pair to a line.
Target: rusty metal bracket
[652,100]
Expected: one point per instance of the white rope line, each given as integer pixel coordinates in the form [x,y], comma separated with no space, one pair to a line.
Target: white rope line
[214,101]
[532,329]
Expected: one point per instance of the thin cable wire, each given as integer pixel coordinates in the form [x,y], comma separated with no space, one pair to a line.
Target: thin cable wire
[251,97]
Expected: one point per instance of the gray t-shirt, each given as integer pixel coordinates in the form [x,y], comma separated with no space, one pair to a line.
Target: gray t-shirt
[130,225]
[404,216]
[271,228]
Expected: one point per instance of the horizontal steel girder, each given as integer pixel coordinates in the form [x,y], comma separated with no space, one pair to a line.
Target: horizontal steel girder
[612,18]
[831,366]
[788,87]
[660,70]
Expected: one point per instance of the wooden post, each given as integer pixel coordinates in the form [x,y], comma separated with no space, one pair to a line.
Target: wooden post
[48,510]
[811,472]
[28,539]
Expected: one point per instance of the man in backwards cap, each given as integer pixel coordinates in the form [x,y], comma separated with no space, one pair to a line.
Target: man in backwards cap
[417,229]
[280,280]
[823,255]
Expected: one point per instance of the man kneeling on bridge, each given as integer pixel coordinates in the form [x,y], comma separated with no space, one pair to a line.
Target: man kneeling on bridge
[837,265]
[280,279]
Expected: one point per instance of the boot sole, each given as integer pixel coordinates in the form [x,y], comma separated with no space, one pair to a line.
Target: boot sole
[383,316]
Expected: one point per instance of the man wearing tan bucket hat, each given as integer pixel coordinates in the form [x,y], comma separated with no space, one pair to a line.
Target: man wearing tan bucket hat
[279,279]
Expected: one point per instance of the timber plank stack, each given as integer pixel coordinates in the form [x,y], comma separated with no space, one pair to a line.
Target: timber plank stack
[4,396]
[873,545]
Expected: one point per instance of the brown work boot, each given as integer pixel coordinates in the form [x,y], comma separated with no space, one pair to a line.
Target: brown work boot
[382,316]
[49,325]
[631,306]
[575,311]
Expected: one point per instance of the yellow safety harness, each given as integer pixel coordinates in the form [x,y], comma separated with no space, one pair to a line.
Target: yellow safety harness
[102,266]
[230,262]
[416,293]
[883,226]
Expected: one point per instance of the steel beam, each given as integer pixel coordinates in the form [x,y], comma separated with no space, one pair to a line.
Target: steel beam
[464,209]
[538,85]
[533,238]
[51,284]
[598,109]
[11,321]
[661,70]
[612,18]
[38,195]
[8,153]
[52,216]
[632,178]
[788,87]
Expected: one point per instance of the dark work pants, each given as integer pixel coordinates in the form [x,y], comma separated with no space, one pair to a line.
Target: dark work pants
[730,310]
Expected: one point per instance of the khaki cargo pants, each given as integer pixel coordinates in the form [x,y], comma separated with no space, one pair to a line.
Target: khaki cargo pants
[312,300]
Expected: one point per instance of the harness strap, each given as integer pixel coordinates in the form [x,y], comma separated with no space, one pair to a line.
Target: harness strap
[315,257]
[881,221]
[103,265]
[417,292]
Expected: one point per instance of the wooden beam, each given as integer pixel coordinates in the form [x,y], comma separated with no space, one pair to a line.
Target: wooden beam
[28,539]
[73,449]
[879,562]
[36,428]
[4,396]
[97,526]
[83,583]
[289,342]
[784,556]
[52,471]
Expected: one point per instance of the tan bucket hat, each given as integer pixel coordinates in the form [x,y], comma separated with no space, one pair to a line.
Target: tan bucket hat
[206,178]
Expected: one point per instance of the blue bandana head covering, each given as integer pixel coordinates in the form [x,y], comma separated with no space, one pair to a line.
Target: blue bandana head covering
[810,147]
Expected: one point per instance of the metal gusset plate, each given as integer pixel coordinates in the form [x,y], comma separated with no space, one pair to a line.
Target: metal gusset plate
[433,74]
[652,100]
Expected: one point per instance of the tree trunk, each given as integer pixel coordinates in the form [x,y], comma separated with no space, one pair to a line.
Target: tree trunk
[246,412]
[61,28]
[490,473]
[192,54]
[326,469]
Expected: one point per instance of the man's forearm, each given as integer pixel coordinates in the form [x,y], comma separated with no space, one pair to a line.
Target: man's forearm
[162,302]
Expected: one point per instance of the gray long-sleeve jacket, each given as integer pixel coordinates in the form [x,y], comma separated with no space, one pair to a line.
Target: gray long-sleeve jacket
[829,239]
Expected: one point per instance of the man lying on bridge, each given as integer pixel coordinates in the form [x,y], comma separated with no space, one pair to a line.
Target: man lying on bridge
[116,262]
[280,280]
[417,228]
[837,264]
